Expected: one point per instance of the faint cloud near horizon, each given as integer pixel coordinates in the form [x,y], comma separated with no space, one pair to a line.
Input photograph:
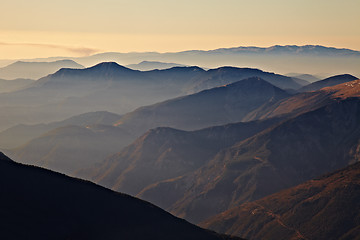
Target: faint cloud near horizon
[83,51]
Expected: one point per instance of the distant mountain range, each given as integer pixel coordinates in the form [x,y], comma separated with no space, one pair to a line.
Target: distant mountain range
[311,59]
[324,208]
[35,70]
[41,204]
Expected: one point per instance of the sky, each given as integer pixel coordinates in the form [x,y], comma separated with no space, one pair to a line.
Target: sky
[43,28]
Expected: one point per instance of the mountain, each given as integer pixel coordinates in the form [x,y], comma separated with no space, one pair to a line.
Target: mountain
[297,150]
[20,134]
[152,65]
[231,103]
[14,85]
[311,59]
[111,87]
[41,204]
[166,153]
[35,70]
[307,77]
[324,208]
[307,101]
[71,148]
[328,82]
[226,75]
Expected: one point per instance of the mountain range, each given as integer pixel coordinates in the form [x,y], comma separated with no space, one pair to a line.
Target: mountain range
[89,138]
[311,59]
[290,150]
[114,88]
[323,208]
[41,204]
[205,145]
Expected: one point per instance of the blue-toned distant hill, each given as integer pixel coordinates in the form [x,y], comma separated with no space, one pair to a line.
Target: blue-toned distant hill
[35,70]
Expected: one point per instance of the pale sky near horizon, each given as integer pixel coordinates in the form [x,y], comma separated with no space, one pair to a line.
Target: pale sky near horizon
[43,28]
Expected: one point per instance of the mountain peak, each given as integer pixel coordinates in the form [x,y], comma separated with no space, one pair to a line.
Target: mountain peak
[109,65]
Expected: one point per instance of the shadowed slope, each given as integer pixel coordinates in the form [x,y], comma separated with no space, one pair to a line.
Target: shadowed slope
[40,204]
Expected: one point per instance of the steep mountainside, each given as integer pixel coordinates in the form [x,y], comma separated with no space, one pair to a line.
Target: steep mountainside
[328,82]
[35,70]
[231,103]
[165,153]
[70,148]
[40,204]
[295,151]
[323,208]
[20,134]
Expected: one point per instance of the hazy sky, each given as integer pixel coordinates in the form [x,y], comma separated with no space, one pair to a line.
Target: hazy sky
[38,28]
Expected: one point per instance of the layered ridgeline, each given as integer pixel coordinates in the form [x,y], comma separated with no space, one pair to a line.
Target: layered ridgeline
[114,88]
[91,141]
[216,106]
[14,85]
[69,145]
[324,208]
[166,153]
[40,204]
[313,59]
[251,166]
[22,133]
[71,148]
[35,70]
